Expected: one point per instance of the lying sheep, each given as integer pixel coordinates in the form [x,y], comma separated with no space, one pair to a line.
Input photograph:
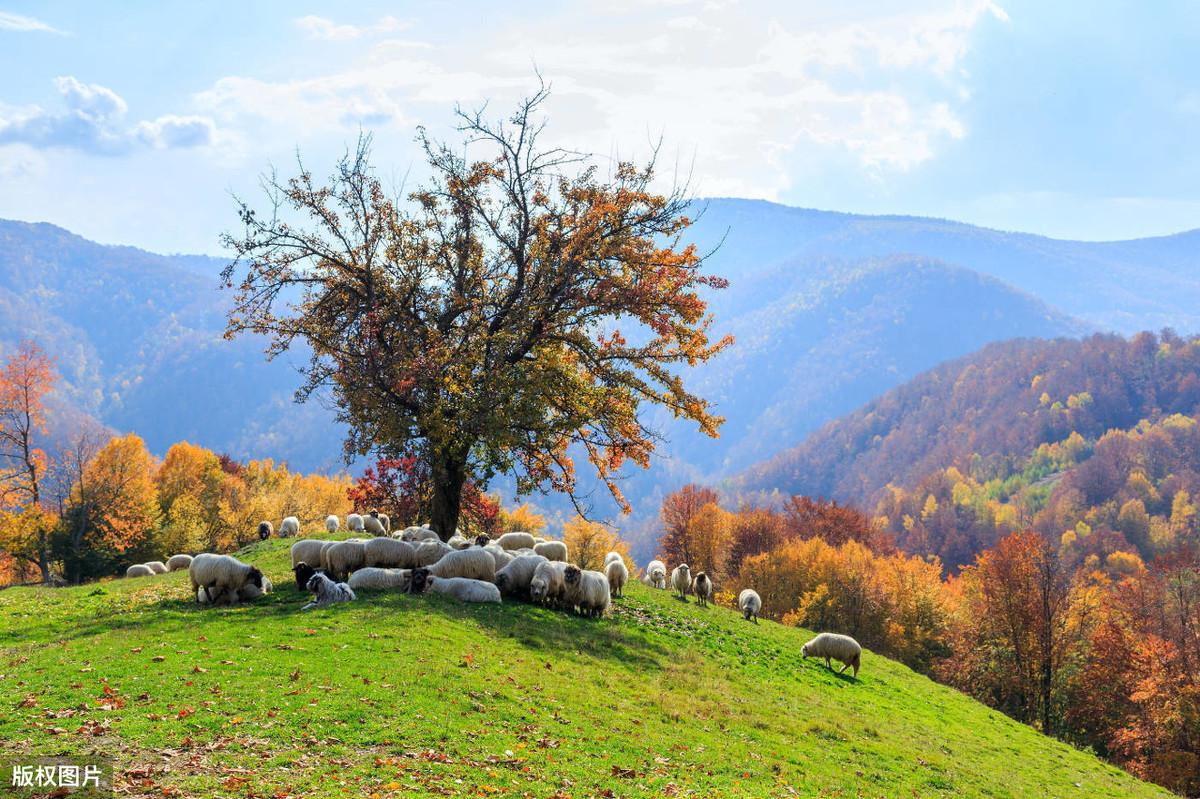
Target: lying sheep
[458,542]
[547,585]
[332,523]
[222,573]
[343,558]
[373,579]
[327,592]
[749,603]
[428,553]
[475,563]
[551,550]
[482,540]
[390,553]
[354,523]
[265,530]
[502,556]
[157,566]
[289,527]
[248,593]
[372,525]
[516,541]
[656,574]
[842,648]
[139,570]
[418,534]
[702,587]
[178,562]
[681,580]
[303,573]
[463,589]
[308,550]
[514,579]
[586,590]
[617,574]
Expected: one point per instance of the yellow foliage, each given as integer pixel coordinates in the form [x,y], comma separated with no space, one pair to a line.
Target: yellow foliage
[588,542]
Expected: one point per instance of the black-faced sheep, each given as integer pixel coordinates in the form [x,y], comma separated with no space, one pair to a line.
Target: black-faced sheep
[702,587]
[390,553]
[586,590]
[289,527]
[327,592]
[551,550]
[373,579]
[842,648]
[681,580]
[617,574]
[265,530]
[139,570]
[303,572]
[514,579]
[332,523]
[749,603]
[475,563]
[547,584]
[308,550]
[372,525]
[222,573]
[463,589]
[178,562]
[516,541]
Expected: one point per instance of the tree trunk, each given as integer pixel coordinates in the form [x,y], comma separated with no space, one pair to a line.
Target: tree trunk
[449,473]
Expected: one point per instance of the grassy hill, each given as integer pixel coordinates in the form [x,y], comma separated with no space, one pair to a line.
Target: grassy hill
[415,696]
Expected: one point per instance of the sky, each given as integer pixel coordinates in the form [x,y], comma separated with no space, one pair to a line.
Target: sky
[1068,119]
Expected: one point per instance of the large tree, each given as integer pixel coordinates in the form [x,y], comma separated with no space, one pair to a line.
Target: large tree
[519,304]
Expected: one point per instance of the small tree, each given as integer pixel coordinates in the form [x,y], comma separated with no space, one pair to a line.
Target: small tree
[477,326]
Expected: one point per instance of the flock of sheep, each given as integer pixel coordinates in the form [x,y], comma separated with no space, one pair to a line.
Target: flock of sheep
[516,565]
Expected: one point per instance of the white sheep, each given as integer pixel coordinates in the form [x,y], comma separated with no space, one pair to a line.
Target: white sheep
[681,580]
[514,578]
[390,553]
[458,542]
[551,550]
[178,562]
[418,534]
[157,566]
[516,541]
[387,522]
[344,557]
[749,603]
[323,563]
[611,556]
[463,589]
[289,527]
[265,530]
[354,523]
[247,593]
[308,550]
[374,579]
[586,590]
[222,573]
[372,525]
[327,592]
[428,553]
[656,574]
[332,523]
[475,563]
[617,574]
[139,570]
[702,587]
[547,584]
[842,648]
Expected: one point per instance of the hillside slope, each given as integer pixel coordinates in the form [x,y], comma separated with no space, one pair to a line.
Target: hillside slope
[397,695]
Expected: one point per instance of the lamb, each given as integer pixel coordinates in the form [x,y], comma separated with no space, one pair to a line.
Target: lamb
[247,593]
[303,572]
[332,523]
[749,603]
[656,574]
[547,585]
[586,590]
[842,648]
[390,553]
[308,550]
[681,580]
[514,579]
[702,587]
[428,553]
[344,557]
[551,550]
[139,570]
[327,592]
[374,579]
[265,530]
[289,527]
[178,562]
[372,525]
[157,566]
[224,573]
[418,534]
[354,523]
[475,563]
[617,574]
[502,556]
[516,541]
[463,589]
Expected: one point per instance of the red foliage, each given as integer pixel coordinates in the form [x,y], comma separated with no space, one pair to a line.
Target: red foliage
[402,487]
[834,523]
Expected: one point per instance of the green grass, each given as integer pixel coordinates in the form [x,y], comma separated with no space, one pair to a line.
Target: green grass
[418,696]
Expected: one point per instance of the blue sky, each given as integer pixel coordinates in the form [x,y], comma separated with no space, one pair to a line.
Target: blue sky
[1069,119]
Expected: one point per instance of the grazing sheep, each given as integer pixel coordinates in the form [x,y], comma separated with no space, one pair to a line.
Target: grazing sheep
[617,574]
[514,579]
[372,525]
[178,562]
[749,603]
[308,550]
[611,556]
[547,585]
[656,574]
[327,592]
[839,647]
[373,579]
[332,523]
[515,541]
[551,550]
[157,566]
[224,573]
[702,587]
[354,523]
[475,563]
[344,557]
[428,553]
[502,556]
[418,534]
[289,527]
[586,590]
[265,530]
[303,572]
[463,589]
[390,553]
[681,580]
[139,570]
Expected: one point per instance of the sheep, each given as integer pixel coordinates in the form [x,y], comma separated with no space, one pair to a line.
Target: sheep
[387,522]
[372,525]
[428,553]
[482,540]
[250,592]
[515,541]
[749,603]
[157,566]
[418,534]
[463,589]
[178,562]
[308,550]
[354,523]
[514,579]
[139,570]
[546,586]
[586,590]
[475,563]
[458,542]
[225,573]
[323,563]
[617,574]
[551,550]
[389,553]
[303,572]
[344,557]
[374,579]
[839,647]
[611,556]
[289,527]
[332,523]
[327,592]
[502,556]
[247,593]
[656,574]
[681,580]
[265,530]
[702,587]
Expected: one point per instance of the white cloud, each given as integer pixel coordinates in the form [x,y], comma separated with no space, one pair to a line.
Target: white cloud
[323,28]
[22,24]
